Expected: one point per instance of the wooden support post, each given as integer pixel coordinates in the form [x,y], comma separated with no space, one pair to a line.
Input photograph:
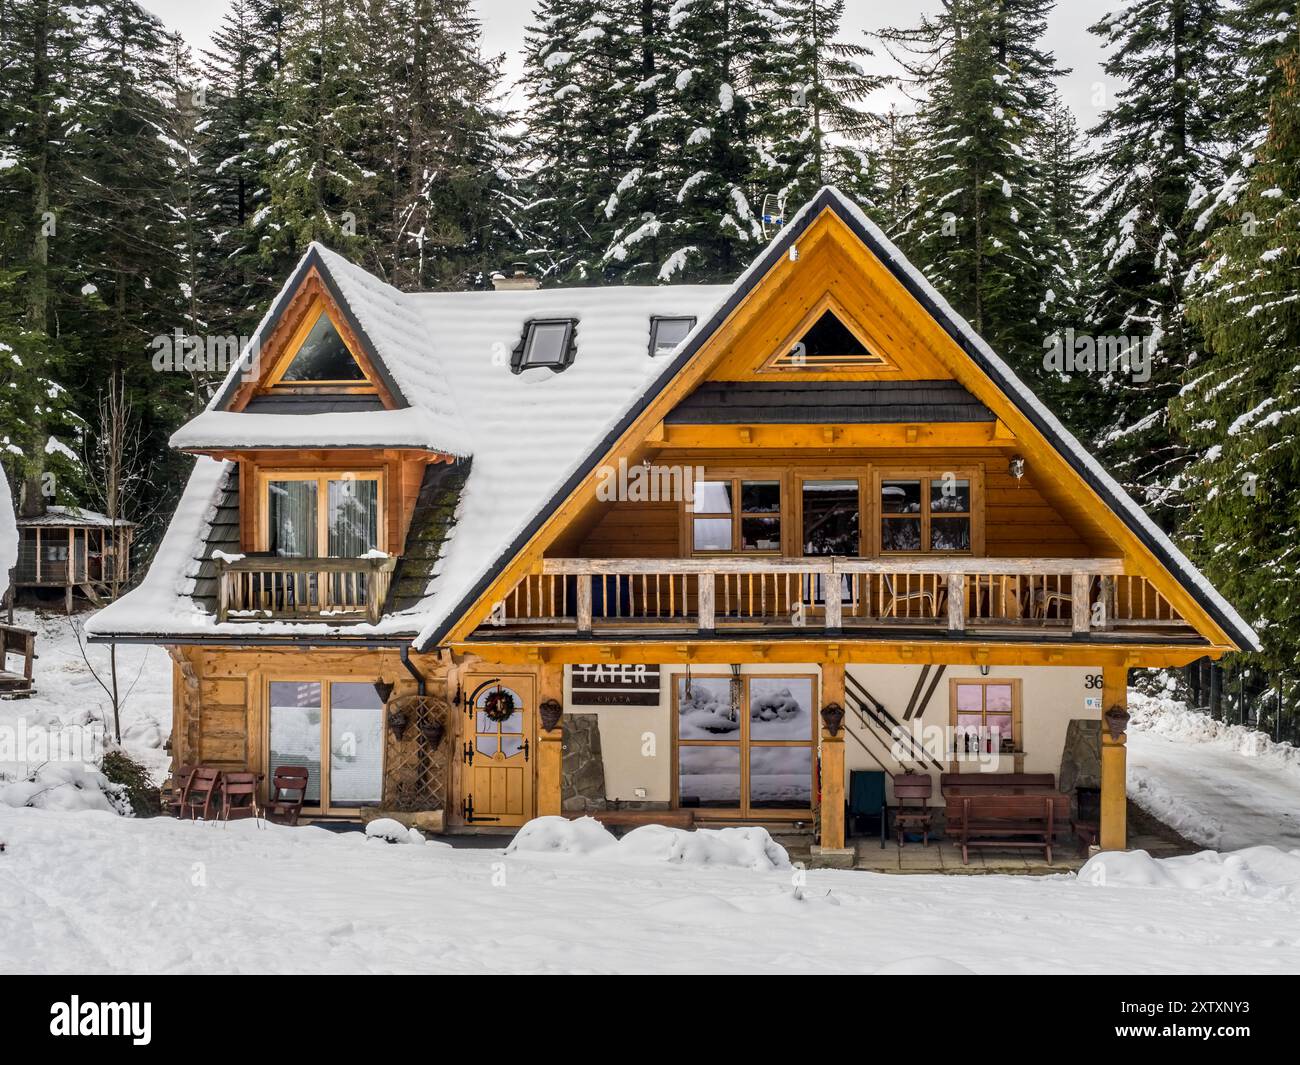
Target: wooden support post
[1080,608]
[1114,758]
[706,596]
[1106,600]
[832,760]
[832,597]
[550,743]
[584,602]
[957,602]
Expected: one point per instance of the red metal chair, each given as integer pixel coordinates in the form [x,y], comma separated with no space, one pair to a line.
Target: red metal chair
[201,794]
[913,791]
[239,796]
[288,793]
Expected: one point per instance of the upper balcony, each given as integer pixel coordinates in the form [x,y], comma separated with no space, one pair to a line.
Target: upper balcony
[274,588]
[744,597]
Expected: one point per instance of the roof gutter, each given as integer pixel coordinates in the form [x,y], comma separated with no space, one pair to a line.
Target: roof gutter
[421,687]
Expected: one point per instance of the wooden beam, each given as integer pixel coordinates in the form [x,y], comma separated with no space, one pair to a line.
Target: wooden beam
[832,810]
[1114,759]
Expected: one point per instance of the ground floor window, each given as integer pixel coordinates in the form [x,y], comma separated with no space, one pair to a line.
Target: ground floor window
[308,718]
[745,743]
[985,715]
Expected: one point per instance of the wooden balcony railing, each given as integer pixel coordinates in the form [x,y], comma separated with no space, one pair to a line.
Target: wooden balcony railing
[333,590]
[709,594]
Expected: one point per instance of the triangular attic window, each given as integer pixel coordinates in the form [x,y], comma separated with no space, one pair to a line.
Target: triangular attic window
[828,342]
[323,357]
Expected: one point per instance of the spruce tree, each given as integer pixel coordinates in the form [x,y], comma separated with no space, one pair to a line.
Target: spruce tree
[1240,409]
[1157,148]
[979,230]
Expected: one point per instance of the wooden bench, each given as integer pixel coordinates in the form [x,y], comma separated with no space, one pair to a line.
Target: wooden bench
[1026,821]
[637,818]
[996,780]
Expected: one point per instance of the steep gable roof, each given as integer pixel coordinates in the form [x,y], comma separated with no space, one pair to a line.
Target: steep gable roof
[445,614]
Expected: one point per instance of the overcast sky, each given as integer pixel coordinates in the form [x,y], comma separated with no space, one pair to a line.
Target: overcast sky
[504,22]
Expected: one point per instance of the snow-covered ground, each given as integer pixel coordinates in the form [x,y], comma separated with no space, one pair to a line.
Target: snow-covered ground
[90,891]
[87,890]
[72,710]
[1221,786]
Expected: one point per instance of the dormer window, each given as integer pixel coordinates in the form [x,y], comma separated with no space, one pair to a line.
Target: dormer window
[667,333]
[828,338]
[323,358]
[547,343]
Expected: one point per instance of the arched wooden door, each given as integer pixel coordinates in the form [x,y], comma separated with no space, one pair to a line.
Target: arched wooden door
[496,750]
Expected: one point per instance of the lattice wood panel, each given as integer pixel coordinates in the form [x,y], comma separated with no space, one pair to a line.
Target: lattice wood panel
[415,768]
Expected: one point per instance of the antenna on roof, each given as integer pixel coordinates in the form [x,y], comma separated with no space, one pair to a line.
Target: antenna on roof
[773,215]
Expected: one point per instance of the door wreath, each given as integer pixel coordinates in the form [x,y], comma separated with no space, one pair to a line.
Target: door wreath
[498,705]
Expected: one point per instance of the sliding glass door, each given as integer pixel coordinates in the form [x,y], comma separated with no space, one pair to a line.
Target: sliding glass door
[308,719]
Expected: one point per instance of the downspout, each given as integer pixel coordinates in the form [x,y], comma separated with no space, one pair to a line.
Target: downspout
[405,655]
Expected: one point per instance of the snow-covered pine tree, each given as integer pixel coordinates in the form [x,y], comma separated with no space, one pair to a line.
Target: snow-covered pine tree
[447,182]
[319,190]
[580,82]
[234,108]
[1157,148]
[818,130]
[895,151]
[715,54]
[1241,408]
[978,230]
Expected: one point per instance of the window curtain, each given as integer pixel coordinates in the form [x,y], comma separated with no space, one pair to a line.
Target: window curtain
[292,518]
[353,517]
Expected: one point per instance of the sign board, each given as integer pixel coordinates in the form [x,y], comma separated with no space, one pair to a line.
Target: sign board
[614,685]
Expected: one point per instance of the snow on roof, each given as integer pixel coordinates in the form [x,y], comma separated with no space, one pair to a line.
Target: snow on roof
[400,339]
[527,433]
[8,533]
[66,516]
[535,434]
[410,427]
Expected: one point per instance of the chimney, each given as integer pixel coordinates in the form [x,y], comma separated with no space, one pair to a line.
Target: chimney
[518,281]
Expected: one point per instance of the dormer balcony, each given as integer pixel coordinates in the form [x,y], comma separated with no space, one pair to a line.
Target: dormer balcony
[329,590]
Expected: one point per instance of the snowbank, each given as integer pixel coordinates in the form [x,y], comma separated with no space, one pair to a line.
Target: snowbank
[736,848]
[392,831]
[744,848]
[559,835]
[1254,873]
[66,786]
[1171,719]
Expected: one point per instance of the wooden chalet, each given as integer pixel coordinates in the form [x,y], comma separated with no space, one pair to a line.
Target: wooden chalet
[694,553]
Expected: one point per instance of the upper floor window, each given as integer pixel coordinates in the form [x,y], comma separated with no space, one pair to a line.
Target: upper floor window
[667,333]
[923,513]
[547,343]
[828,338]
[322,358]
[321,515]
[736,514]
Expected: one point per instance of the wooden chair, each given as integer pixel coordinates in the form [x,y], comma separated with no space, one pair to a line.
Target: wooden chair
[239,796]
[933,599]
[288,793]
[173,791]
[201,794]
[913,791]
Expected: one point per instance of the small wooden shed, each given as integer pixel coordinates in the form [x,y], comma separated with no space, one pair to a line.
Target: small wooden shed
[74,549]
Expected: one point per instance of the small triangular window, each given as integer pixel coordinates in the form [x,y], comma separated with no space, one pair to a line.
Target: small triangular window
[827,342]
[323,357]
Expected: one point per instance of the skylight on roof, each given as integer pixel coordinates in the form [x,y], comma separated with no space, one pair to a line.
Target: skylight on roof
[322,357]
[666,333]
[547,343]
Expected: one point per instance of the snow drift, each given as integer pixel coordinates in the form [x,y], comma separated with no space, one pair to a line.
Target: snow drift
[1254,873]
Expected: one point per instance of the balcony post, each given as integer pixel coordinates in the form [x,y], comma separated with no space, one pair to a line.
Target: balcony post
[223,589]
[374,594]
[706,591]
[1080,607]
[957,602]
[584,603]
[1106,600]
[833,603]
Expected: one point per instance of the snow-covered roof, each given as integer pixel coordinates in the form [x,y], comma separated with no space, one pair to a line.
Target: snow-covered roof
[532,436]
[8,533]
[526,432]
[62,517]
